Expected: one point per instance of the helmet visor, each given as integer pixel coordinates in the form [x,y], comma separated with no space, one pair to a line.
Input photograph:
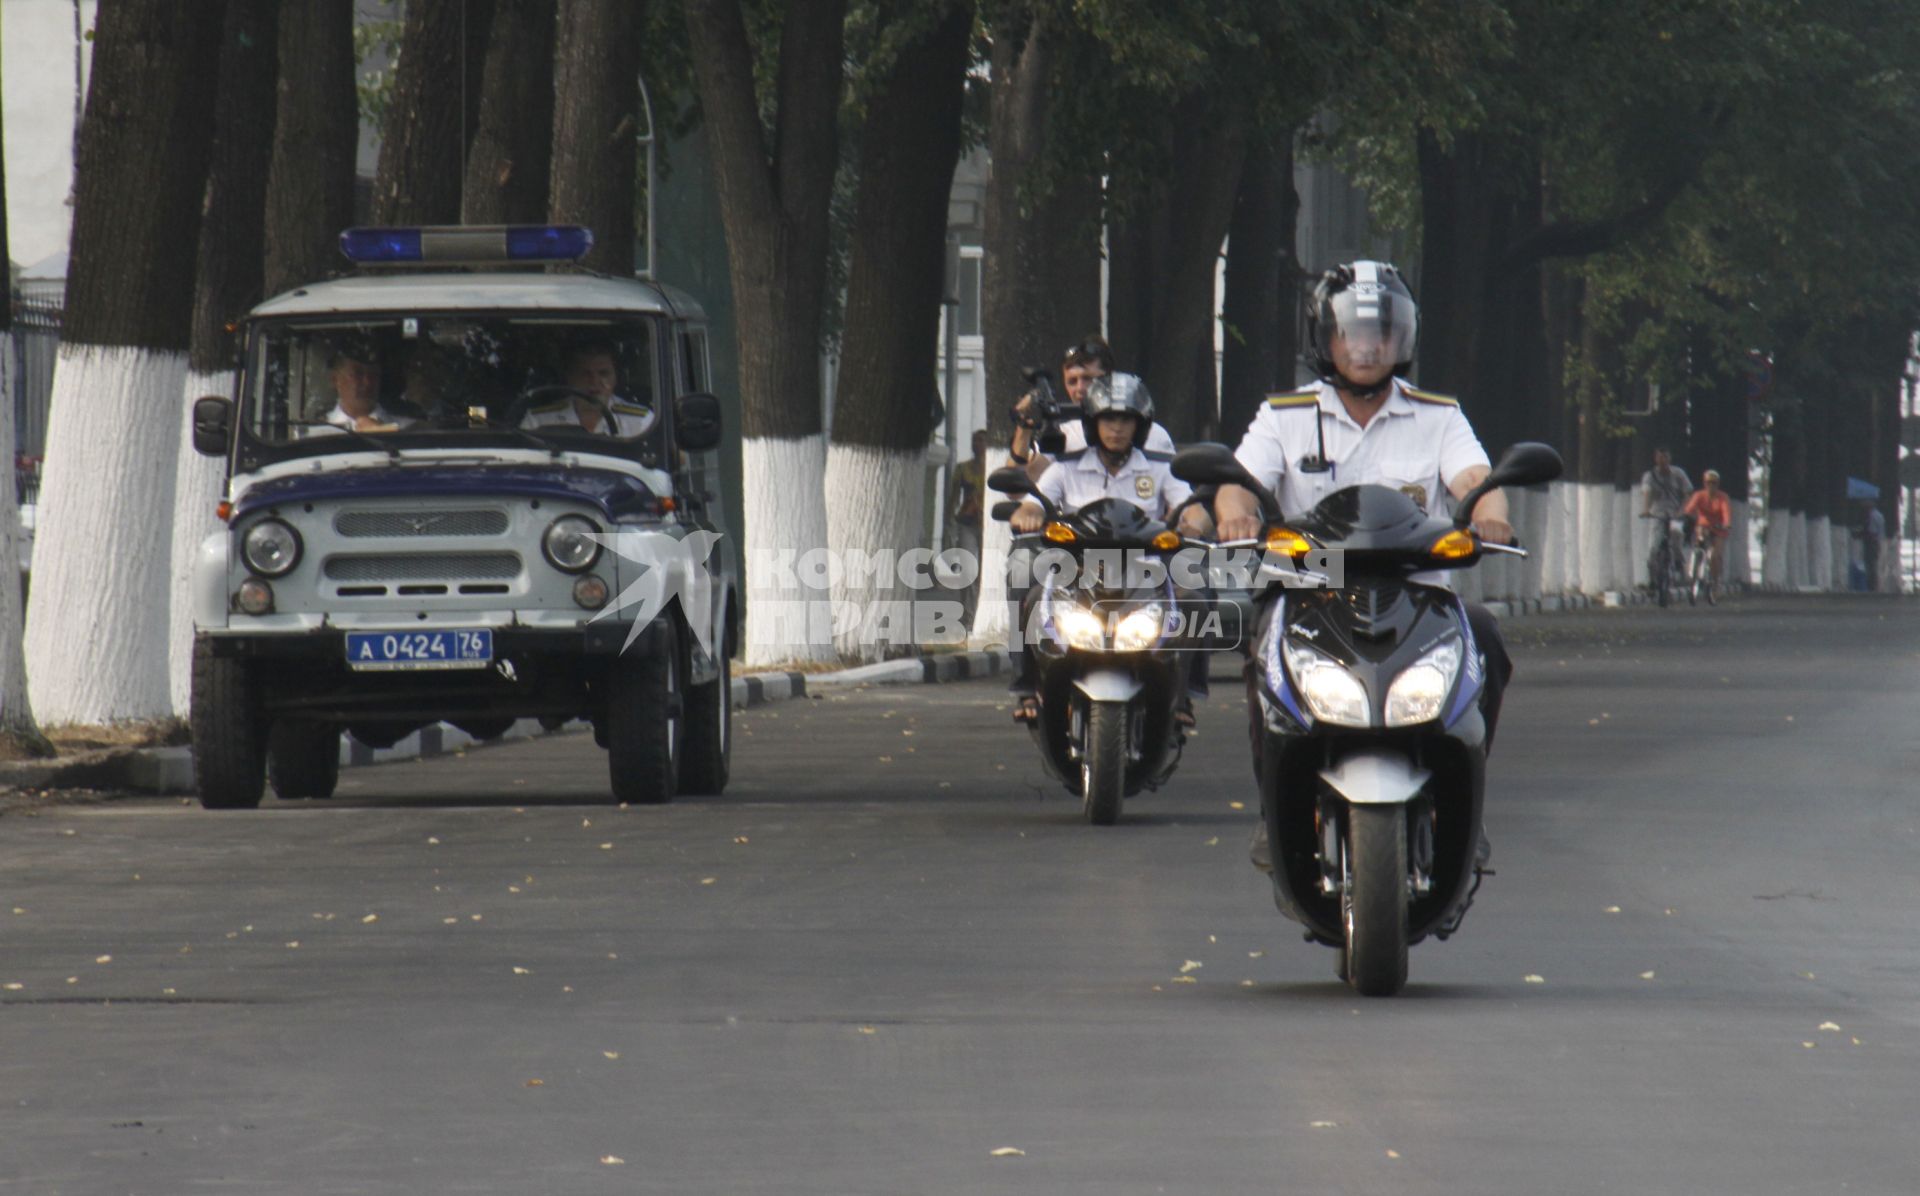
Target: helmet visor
[1373,325]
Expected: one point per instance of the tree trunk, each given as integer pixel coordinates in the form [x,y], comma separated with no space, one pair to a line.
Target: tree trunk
[1041,251]
[19,733]
[97,619]
[886,404]
[424,137]
[1208,159]
[596,116]
[507,167]
[316,127]
[1257,359]
[228,282]
[775,187]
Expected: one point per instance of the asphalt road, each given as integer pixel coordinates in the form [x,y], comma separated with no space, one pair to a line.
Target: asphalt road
[892,955]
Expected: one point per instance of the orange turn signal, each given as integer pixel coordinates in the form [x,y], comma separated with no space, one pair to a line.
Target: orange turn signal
[1167,541]
[1286,540]
[224,511]
[1060,533]
[1454,546]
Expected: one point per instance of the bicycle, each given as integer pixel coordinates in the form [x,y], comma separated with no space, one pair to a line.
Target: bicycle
[1665,567]
[1700,583]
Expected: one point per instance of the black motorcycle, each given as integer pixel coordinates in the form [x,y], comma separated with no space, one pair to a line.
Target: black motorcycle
[1369,742]
[1113,649]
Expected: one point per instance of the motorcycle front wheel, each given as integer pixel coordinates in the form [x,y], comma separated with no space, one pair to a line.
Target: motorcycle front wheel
[1103,764]
[1375,903]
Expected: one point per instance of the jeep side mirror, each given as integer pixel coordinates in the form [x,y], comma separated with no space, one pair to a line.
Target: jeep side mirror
[1010,479]
[696,422]
[212,422]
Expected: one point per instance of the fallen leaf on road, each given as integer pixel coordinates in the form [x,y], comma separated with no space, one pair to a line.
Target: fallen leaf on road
[1808,1045]
[1534,978]
[1646,975]
[868,1030]
[1393,1154]
[1613,909]
[451,921]
[611,1054]
[739,838]
[13,986]
[520,971]
[1246,984]
[369,919]
[18,910]
[606,847]
[294,945]
[707,880]
[613,1160]
[1829,1026]
[1008,1152]
[1236,805]
[476,917]
[103,959]
[1806,975]
[1325,1125]
[1190,965]
[73,980]
[1186,980]
[1213,842]
[432,841]
[536,1083]
[586,822]
[1255,954]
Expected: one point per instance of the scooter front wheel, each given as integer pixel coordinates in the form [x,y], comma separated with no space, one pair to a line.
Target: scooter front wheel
[1375,903]
[1103,764]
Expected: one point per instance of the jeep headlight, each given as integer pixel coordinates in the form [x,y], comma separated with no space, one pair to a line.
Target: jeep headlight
[1138,631]
[1416,694]
[1081,628]
[571,543]
[1333,694]
[271,548]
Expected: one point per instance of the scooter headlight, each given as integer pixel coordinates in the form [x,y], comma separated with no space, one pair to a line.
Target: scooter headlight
[1139,631]
[1417,693]
[1333,694]
[1080,627]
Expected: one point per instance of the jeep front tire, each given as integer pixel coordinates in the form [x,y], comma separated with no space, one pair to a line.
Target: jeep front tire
[643,730]
[229,740]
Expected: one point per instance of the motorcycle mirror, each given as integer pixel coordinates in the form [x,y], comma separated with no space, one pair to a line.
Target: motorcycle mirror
[1528,463]
[1003,511]
[1214,465]
[1010,479]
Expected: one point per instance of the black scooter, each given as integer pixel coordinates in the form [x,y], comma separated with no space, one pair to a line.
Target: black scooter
[1369,742]
[1111,659]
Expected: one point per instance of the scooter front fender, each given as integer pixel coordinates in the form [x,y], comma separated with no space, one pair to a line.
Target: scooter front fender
[1376,777]
[1108,685]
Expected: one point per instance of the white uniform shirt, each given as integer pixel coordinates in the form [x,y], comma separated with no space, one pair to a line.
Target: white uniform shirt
[1417,443]
[634,419]
[1665,496]
[339,418]
[1077,479]
[1073,434]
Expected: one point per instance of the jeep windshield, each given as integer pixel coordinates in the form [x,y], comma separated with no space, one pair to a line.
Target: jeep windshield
[567,383]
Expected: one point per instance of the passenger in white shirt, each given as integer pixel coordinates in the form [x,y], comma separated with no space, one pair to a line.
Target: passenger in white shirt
[1084,364]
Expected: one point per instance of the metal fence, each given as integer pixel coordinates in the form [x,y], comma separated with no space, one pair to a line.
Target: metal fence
[36,342]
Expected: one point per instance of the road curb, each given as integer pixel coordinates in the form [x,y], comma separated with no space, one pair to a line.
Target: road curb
[170,769]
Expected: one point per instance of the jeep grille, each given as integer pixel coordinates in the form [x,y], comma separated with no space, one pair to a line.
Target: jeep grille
[450,566]
[467,522]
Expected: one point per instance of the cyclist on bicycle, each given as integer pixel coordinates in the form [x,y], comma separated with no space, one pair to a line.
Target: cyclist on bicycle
[1663,494]
[1713,519]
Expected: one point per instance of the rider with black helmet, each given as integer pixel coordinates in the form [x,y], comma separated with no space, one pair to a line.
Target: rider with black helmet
[1362,423]
[1117,415]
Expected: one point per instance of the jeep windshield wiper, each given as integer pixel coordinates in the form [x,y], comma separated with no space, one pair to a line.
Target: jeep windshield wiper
[380,442]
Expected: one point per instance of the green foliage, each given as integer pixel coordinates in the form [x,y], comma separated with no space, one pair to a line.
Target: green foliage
[377,39]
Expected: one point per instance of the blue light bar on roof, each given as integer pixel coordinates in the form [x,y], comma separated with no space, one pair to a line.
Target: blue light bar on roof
[472,244]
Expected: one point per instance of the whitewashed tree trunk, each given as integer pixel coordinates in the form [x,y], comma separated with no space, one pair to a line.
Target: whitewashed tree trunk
[1533,530]
[198,483]
[1596,540]
[875,507]
[1797,571]
[16,711]
[1621,518]
[1779,531]
[97,620]
[992,628]
[788,601]
[1739,562]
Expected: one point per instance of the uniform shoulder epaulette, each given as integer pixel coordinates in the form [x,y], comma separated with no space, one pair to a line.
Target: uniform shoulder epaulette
[625,408]
[548,408]
[1427,396]
[1156,455]
[1295,398]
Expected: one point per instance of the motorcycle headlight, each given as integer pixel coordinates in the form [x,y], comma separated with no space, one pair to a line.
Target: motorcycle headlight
[1416,694]
[1333,694]
[271,548]
[1081,628]
[569,543]
[1139,631]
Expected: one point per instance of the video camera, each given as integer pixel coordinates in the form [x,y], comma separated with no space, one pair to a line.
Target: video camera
[1047,411]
